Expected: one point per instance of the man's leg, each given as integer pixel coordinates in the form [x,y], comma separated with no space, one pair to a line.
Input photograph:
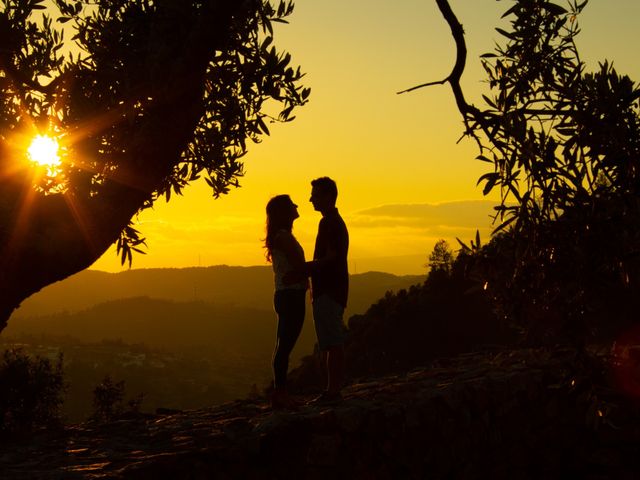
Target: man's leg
[327,316]
[335,369]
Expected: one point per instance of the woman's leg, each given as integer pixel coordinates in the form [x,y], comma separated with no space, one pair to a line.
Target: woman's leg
[290,307]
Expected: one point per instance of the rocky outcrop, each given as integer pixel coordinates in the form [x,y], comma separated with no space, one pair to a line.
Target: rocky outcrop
[515,414]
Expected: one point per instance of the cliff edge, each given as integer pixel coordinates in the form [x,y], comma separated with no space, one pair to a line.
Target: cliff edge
[511,414]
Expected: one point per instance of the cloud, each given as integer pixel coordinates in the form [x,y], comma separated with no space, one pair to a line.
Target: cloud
[398,238]
[440,217]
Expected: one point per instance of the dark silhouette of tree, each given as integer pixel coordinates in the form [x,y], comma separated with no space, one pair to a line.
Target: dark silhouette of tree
[153,95]
[109,402]
[564,145]
[108,399]
[441,258]
[444,316]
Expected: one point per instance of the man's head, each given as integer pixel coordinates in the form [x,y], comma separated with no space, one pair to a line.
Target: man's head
[324,193]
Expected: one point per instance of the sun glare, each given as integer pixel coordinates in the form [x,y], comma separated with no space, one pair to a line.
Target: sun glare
[44,152]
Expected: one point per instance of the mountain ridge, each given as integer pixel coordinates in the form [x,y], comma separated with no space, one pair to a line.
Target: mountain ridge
[250,286]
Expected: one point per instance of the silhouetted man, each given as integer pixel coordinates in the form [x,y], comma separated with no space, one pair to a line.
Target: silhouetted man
[329,283]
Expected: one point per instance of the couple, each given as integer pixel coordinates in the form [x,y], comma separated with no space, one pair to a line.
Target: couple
[329,286]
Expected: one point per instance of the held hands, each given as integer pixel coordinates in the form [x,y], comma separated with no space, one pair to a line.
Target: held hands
[299,275]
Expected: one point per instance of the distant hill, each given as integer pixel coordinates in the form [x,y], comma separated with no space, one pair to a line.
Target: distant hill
[158,323]
[226,308]
[218,321]
[246,287]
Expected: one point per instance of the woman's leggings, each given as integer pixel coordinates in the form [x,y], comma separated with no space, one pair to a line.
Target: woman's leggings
[289,305]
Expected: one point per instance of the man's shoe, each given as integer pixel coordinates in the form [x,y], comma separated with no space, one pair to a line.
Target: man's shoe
[281,400]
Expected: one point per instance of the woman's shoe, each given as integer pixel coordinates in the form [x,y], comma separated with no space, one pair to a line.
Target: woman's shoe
[281,400]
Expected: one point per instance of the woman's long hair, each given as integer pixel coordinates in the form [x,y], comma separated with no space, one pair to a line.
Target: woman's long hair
[277,219]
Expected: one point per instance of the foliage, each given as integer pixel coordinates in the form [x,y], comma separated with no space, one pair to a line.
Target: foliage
[31,392]
[565,149]
[574,295]
[559,137]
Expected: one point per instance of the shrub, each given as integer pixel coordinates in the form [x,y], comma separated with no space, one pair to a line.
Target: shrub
[108,400]
[31,392]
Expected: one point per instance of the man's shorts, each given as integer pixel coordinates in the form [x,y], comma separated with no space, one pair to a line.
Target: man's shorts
[327,318]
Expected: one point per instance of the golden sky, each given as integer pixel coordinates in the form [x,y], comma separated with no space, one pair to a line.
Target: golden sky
[404,182]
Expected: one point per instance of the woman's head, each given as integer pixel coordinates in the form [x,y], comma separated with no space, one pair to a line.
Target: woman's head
[281,212]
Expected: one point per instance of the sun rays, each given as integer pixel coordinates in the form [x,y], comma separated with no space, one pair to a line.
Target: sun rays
[44,151]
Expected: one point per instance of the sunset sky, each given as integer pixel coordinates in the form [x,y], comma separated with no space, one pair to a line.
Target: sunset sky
[403,180]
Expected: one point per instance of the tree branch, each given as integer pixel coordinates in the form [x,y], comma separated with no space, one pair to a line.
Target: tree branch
[469,112]
[461,58]
[438,82]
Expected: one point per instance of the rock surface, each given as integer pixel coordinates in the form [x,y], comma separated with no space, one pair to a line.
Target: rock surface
[510,415]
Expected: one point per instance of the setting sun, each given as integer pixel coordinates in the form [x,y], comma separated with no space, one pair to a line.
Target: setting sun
[44,152]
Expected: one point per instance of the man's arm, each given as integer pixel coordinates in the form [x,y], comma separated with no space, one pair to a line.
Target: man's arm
[336,251]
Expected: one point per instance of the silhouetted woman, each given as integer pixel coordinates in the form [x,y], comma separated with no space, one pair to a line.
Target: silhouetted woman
[287,257]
